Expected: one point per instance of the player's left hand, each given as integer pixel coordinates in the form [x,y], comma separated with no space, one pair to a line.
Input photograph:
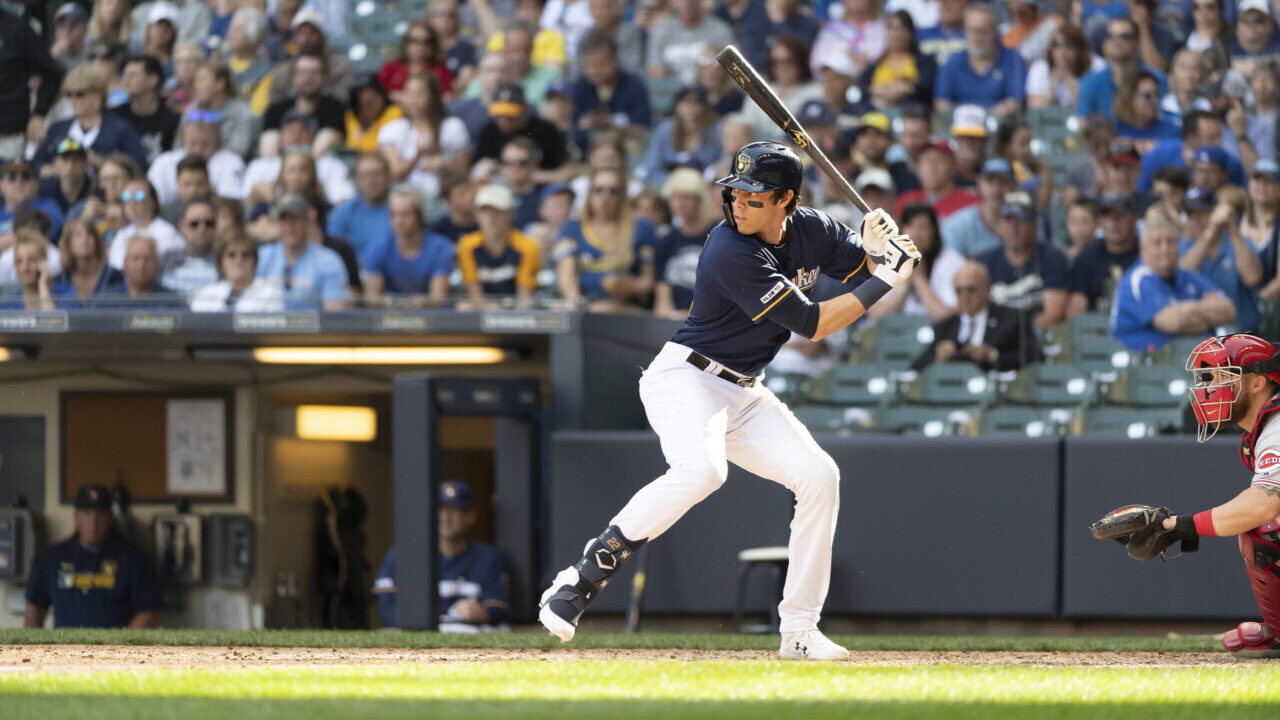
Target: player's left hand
[1140,528]
[900,259]
[877,229]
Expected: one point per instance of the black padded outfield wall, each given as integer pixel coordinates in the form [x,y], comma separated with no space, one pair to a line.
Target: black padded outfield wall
[972,527]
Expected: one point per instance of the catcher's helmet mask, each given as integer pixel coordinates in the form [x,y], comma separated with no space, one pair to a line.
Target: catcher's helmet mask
[760,167]
[1217,366]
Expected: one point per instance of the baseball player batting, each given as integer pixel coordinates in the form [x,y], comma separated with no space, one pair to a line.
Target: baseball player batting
[1236,380]
[703,392]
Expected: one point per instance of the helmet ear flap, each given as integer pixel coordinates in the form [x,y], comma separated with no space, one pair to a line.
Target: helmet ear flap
[726,204]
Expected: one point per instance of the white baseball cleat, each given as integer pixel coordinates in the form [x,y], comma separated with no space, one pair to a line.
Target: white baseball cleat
[561,627]
[810,645]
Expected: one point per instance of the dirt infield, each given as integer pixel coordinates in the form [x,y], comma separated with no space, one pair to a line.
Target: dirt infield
[94,658]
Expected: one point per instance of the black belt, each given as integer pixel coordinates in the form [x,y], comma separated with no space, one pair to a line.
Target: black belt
[702,363]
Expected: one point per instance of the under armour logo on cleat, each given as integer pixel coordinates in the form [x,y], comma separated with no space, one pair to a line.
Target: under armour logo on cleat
[802,649]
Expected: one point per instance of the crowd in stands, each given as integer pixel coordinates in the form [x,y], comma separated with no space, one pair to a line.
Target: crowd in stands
[232,155]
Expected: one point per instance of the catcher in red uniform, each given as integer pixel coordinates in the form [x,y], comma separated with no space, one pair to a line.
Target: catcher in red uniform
[1236,380]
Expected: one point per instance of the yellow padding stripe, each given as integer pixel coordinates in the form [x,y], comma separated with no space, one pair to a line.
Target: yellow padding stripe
[855,270]
[775,302]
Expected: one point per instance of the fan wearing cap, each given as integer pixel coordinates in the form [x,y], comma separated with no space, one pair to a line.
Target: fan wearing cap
[903,73]
[1256,35]
[1100,265]
[473,575]
[1209,168]
[310,275]
[1260,219]
[976,229]
[675,257]
[95,578]
[1121,170]
[986,73]
[871,144]
[1200,129]
[411,260]
[1026,274]
[690,137]
[72,185]
[308,37]
[161,32]
[498,260]
[19,190]
[1223,255]
[70,31]
[1157,300]
[936,167]
[969,135]
[511,117]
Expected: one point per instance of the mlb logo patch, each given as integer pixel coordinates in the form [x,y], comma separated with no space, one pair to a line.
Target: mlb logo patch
[777,288]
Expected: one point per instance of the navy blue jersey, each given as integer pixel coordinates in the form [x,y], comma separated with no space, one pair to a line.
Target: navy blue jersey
[675,262]
[749,296]
[479,573]
[101,587]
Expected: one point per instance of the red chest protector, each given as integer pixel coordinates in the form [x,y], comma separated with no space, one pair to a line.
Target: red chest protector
[1248,439]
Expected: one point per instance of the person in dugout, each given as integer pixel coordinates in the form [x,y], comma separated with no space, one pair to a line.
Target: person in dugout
[96,578]
[473,576]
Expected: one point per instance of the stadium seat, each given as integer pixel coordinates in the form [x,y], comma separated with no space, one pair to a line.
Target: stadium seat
[1093,347]
[1055,343]
[1016,421]
[1132,423]
[959,383]
[858,341]
[930,421]
[1048,386]
[1148,386]
[899,339]
[789,387]
[854,385]
[830,417]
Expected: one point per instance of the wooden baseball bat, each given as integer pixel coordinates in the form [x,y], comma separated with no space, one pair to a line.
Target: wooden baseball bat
[758,90]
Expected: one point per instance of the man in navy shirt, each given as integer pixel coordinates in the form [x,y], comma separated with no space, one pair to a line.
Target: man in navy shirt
[1099,267]
[986,73]
[675,259]
[1157,300]
[606,96]
[95,578]
[1026,274]
[703,395]
[473,575]
[1256,35]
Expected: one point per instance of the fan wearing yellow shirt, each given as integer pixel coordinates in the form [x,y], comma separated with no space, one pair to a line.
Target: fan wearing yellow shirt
[498,260]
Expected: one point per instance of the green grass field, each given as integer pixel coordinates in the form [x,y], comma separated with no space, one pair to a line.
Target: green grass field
[545,684]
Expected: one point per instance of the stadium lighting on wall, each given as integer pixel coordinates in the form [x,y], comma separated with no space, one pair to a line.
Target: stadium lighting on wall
[477,355]
[14,354]
[349,423]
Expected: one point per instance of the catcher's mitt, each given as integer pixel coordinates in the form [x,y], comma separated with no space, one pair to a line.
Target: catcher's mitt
[1141,530]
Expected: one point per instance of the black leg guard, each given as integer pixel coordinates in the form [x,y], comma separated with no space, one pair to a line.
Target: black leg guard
[599,562]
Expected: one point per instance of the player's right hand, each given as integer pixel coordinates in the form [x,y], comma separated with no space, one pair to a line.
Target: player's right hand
[877,229]
[898,262]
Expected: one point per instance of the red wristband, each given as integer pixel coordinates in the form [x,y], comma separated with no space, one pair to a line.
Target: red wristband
[1204,523]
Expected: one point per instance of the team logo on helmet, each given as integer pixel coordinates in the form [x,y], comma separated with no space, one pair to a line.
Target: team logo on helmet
[743,164]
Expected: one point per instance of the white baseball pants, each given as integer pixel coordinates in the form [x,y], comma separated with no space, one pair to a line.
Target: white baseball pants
[704,422]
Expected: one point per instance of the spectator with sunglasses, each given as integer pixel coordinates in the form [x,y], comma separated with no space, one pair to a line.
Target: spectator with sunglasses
[156,124]
[239,290]
[519,158]
[1098,89]
[72,186]
[143,212]
[1137,112]
[215,102]
[199,140]
[99,132]
[606,257]
[419,53]
[197,268]
[19,190]
[310,275]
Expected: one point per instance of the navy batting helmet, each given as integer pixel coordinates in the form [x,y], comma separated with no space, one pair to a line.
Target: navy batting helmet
[760,167]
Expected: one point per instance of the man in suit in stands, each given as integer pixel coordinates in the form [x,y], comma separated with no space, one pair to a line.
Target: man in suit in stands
[989,336]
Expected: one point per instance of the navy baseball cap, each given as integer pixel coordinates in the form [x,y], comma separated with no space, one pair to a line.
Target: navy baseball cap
[71,11]
[1018,205]
[93,497]
[1212,154]
[508,101]
[293,114]
[555,188]
[455,493]
[559,88]
[817,112]
[1267,169]
[998,166]
[1116,202]
[1200,200]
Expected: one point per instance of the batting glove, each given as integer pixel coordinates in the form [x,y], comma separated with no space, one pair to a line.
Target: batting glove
[877,229]
[900,259]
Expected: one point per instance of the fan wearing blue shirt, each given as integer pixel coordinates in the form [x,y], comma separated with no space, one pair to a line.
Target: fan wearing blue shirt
[945,39]
[310,275]
[1199,129]
[1157,300]
[986,73]
[1139,118]
[410,260]
[364,219]
[1098,88]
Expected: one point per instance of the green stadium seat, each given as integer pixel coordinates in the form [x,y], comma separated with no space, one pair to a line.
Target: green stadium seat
[1048,386]
[899,339]
[1132,423]
[1013,421]
[789,387]
[930,421]
[958,383]
[1092,345]
[858,341]
[829,417]
[1148,386]
[1055,343]
[854,385]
